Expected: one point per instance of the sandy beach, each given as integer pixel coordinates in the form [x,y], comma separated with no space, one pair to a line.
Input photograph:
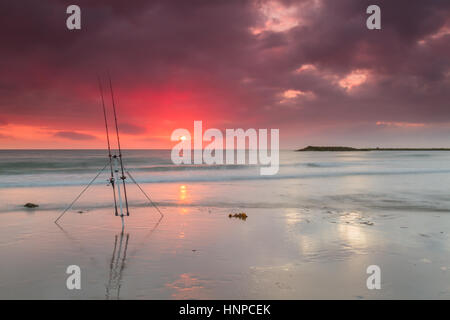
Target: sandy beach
[310,233]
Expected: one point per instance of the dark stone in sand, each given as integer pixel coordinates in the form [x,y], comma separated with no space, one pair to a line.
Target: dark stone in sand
[241,216]
[30,205]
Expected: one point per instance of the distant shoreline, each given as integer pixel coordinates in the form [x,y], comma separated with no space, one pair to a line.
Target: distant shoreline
[331,148]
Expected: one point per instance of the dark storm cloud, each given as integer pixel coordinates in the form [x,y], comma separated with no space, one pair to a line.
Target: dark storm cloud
[207,50]
[129,128]
[71,135]
[406,76]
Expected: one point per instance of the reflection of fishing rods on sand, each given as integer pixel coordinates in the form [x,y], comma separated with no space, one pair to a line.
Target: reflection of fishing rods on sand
[116,269]
[117,265]
[71,238]
[117,178]
[147,236]
[119,258]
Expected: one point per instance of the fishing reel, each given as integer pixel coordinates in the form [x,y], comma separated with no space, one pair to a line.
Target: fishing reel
[110,182]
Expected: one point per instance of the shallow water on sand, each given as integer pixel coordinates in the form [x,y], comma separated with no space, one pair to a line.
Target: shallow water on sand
[311,231]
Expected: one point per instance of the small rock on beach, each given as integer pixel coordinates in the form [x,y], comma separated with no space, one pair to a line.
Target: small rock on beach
[30,205]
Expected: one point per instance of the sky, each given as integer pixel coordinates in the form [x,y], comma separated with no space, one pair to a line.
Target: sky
[309,68]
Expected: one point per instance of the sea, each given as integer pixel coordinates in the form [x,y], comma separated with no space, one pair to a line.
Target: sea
[310,232]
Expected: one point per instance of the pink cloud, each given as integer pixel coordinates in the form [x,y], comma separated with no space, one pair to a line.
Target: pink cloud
[400,124]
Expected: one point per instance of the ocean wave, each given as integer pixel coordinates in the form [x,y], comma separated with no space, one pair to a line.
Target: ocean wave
[172,178]
[323,164]
[69,167]
[84,167]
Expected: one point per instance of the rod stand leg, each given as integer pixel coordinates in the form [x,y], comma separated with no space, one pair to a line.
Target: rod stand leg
[80,194]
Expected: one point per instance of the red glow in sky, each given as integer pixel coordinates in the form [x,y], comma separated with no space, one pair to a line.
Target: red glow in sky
[309,68]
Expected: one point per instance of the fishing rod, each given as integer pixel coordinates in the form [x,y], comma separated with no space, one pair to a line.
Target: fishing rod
[114,162]
[111,179]
[123,177]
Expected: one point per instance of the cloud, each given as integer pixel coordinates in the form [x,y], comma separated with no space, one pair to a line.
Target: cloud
[354,79]
[226,63]
[276,16]
[400,124]
[72,135]
[129,128]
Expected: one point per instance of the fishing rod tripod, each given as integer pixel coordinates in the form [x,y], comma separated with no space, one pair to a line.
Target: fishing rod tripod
[117,178]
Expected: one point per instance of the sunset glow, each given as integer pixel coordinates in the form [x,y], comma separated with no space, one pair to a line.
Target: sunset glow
[250,64]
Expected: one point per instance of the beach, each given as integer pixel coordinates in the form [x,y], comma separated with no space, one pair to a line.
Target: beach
[312,230]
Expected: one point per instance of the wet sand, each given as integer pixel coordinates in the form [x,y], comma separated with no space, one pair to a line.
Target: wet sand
[311,232]
[198,252]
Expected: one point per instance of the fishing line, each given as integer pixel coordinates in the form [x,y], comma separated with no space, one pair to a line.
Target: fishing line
[145,194]
[81,193]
